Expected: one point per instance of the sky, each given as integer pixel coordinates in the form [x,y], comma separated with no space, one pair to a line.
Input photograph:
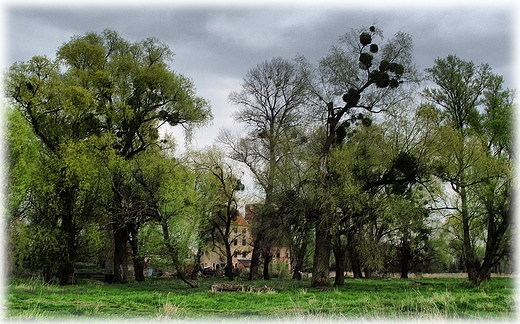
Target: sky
[217,42]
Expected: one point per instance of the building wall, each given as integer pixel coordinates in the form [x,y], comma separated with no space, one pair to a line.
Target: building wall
[241,247]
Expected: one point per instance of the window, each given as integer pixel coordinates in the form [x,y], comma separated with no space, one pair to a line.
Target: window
[244,230]
[235,230]
[243,241]
[235,242]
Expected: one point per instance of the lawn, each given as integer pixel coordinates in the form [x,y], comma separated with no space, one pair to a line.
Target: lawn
[284,299]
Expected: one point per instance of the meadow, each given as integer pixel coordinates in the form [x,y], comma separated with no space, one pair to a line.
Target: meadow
[283,299]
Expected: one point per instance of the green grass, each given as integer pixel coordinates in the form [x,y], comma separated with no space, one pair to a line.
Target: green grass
[169,298]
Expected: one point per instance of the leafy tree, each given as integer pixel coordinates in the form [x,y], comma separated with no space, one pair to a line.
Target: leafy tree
[220,183]
[476,160]
[382,188]
[295,199]
[167,192]
[113,95]
[59,113]
[366,78]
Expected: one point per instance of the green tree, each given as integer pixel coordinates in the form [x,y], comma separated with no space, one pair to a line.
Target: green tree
[109,93]
[220,184]
[60,114]
[167,192]
[476,162]
[381,185]
[367,79]
[136,93]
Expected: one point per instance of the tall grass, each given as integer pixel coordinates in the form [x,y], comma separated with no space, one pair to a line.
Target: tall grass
[280,299]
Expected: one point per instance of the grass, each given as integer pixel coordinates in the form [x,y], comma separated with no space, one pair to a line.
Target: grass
[169,298]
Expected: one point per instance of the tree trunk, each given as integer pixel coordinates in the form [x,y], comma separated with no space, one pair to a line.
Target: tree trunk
[183,277]
[341,262]
[266,254]
[368,272]
[320,269]
[229,271]
[196,265]
[137,258]
[469,253]
[405,257]
[120,253]
[356,267]
[173,253]
[353,254]
[297,257]
[495,236]
[255,261]
[66,268]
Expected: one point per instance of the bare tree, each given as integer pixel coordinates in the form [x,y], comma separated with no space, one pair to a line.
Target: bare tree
[271,102]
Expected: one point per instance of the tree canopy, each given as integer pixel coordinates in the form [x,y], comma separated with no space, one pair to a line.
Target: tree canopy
[358,168]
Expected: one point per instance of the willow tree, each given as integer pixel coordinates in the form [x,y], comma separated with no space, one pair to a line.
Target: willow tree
[477,161]
[137,93]
[355,79]
[62,116]
[101,85]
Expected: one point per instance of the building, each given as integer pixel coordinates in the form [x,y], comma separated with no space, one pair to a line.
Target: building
[241,238]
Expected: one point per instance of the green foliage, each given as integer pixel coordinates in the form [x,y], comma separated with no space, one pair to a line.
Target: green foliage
[98,104]
[476,162]
[36,249]
[22,159]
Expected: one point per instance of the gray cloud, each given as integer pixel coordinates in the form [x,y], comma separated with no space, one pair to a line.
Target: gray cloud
[217,45]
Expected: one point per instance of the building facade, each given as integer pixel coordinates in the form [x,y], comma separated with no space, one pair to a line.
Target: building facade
[241,239]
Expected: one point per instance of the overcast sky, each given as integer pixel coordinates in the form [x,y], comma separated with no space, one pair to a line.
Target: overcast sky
[216,45]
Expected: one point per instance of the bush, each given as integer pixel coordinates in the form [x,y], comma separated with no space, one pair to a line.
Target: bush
[279,269]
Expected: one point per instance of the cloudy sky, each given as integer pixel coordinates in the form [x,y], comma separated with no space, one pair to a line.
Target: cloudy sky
[216,43]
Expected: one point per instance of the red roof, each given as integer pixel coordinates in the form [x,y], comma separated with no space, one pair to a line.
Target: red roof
[240,221]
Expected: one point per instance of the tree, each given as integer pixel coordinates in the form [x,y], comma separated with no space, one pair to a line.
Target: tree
[220,183]
[270,105]
[168,195]
[61,115]
[367,79]
[476,163]
[381,186]
[113,95]
[136,93]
